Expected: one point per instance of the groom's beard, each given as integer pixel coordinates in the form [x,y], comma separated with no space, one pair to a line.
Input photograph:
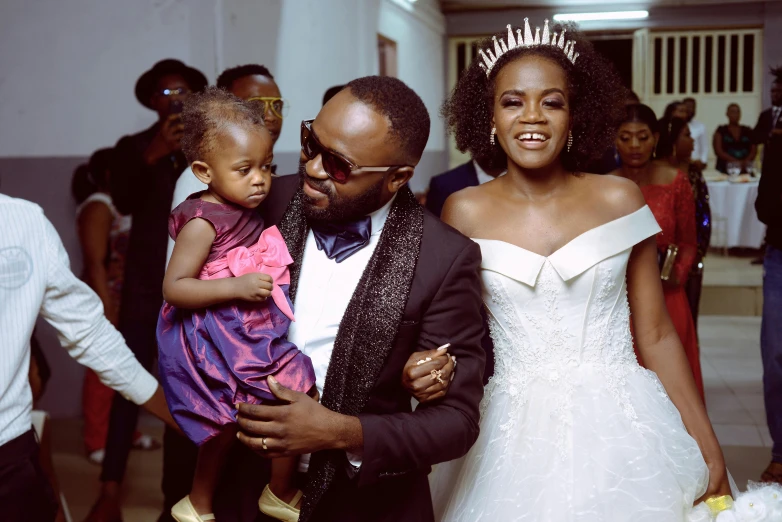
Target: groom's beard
[339,208]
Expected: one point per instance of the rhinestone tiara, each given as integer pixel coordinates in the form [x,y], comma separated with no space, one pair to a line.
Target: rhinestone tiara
[526,40]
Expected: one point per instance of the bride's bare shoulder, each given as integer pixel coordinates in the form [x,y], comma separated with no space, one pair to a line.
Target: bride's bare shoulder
[463,209]
[620,194]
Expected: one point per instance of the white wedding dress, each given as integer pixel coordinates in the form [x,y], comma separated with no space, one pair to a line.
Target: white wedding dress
[572,428]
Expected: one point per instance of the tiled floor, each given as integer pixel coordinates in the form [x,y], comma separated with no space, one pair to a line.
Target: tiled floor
[732,372]
[79,478]
[731,286]
[731,271]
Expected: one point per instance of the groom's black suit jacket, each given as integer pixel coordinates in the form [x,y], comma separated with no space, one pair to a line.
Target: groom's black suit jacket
[421,289]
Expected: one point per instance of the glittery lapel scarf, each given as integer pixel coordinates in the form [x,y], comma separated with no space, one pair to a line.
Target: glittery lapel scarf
[362,344]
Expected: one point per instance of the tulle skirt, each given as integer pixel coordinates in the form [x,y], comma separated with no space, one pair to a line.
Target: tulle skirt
[599,444]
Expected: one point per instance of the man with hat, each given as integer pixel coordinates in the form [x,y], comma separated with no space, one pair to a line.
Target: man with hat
[142,185]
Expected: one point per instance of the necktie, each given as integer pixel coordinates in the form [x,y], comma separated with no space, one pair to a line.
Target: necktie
[340,240]
[775,116]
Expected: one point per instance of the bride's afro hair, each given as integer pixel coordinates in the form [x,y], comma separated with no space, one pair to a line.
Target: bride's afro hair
[596,96]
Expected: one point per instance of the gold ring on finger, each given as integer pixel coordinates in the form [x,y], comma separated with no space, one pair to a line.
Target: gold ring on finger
[263,444]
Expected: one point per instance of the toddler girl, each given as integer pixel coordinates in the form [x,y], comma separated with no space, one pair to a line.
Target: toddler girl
[219,335]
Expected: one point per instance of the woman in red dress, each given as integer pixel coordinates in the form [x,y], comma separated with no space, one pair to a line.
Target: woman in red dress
[668,193]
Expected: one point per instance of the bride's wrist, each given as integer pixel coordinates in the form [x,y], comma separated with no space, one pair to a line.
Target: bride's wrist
[715,461]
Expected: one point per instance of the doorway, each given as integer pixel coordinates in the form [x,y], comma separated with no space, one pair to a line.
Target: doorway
[617,49]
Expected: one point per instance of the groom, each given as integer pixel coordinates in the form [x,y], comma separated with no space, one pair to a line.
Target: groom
[375,278]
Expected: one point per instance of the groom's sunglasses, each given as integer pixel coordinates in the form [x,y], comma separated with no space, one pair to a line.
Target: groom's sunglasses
[338,168]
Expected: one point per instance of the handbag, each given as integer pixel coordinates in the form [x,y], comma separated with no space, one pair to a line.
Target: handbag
[666,260]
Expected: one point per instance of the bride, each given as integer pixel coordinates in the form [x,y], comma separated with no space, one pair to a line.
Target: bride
[572,428]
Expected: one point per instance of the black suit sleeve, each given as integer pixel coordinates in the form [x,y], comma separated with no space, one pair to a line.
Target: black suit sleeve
[762,128]
[445,430]
[769,201]
[435,198]
[282,191]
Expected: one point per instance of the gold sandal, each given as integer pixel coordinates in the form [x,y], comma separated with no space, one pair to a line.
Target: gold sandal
[272,506]
[183,511]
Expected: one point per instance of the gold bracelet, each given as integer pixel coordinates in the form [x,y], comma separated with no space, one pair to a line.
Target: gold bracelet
[719,504]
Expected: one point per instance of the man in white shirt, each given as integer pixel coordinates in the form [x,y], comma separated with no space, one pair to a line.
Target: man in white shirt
[376,280]
[700,151]
[35,279]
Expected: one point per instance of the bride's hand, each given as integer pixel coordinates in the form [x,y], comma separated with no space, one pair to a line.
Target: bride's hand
[421,372]
[719,484]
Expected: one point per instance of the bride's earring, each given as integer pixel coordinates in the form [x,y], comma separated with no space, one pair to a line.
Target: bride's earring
[493,132]
[569,141]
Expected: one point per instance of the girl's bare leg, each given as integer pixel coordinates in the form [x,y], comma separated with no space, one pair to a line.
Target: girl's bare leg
[211,456]
[283,479]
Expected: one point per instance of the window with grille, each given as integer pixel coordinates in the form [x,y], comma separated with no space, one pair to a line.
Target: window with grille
[705,62]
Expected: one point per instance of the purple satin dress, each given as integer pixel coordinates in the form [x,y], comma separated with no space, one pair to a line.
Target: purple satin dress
[213,358]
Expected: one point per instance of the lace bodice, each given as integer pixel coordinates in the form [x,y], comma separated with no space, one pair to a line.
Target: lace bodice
[550,316]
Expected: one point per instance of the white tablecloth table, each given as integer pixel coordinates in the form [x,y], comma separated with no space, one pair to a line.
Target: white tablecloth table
[734,221]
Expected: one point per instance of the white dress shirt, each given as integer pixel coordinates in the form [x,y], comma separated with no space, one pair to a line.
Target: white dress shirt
[483,177]
[35,278]
[186,185]
[322,296]
[700,151]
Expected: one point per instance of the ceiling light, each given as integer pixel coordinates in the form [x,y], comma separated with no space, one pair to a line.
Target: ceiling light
[609,15]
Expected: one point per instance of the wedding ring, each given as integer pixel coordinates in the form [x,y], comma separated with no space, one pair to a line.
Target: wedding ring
[263,444]
[437,375]
[423,361]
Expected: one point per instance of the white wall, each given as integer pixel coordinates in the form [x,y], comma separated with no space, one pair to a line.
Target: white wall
[67,69]
[420,39]
[321,44]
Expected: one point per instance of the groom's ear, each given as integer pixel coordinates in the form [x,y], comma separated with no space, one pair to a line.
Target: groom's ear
[398,178]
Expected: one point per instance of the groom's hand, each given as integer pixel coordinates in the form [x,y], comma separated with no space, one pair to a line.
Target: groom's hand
[301,426]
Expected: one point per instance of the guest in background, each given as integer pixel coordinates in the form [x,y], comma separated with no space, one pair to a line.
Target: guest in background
[769,208]
[610,160]
[255,83]
[470,174]
[248,82]
[668,193]
[37,280]
[700,152]
[330,92]
[675,109]
[734,143]
[675,148]
[103,235]
[145,171]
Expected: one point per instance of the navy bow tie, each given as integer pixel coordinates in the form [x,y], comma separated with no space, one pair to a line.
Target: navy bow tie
[342,240]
